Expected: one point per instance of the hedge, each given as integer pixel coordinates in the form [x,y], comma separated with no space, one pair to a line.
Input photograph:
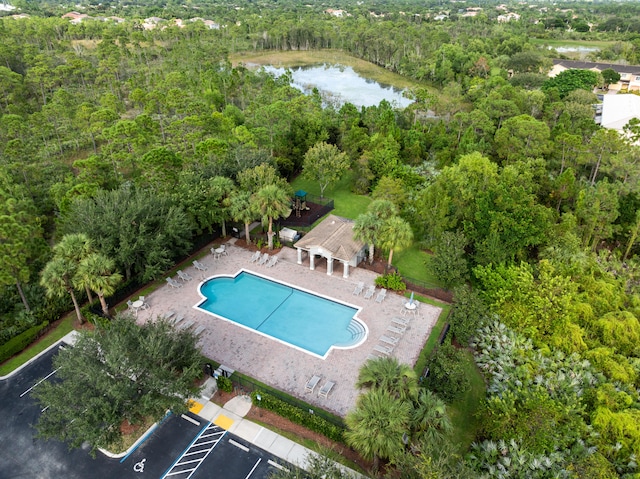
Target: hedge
[297,415]
[21,341]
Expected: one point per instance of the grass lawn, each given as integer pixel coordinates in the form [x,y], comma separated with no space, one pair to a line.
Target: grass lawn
[347,204]
[463,411]
[432,342]
[65,327]
[412,262]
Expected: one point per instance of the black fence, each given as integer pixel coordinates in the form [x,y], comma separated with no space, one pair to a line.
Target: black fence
[247,385]
[429,289]
[315,208]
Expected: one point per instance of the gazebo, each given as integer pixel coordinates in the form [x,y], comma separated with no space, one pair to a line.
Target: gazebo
[332,239]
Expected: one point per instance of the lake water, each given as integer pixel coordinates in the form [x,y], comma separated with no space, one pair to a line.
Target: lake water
[339,84]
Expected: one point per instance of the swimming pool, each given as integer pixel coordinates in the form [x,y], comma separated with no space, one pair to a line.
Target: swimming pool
[299,318]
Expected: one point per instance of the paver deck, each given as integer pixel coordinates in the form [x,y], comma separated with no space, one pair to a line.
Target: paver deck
[277,364]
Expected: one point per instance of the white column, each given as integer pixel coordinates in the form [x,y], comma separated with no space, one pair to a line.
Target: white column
[312,266]
[299,255]
[330,266]
[345,273]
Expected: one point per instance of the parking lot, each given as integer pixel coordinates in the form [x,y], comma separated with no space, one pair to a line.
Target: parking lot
[180,447]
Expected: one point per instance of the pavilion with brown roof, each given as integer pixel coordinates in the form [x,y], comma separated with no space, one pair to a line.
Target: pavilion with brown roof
[332,239]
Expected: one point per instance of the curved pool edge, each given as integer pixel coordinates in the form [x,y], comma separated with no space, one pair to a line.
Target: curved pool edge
[356,318]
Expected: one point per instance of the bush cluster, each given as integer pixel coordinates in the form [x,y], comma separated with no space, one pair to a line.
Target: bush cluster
[224,384]
[392,281]
[21,341]
[297,415]
[447,377]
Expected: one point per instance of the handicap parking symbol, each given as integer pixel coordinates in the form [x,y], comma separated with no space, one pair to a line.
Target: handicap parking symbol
[139,466]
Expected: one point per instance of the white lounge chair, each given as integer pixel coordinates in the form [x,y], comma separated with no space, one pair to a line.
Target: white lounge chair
[255,257]
[187,325]
[173,283]
[389,340]
[358,289]
[273,261]
[145,305]
[368,294]
[383,349]
[381,295]
[264,259]
[169,314]
[178,319]
[312,383]
[199,330]
[326,389]
[397,329]
[184,276]
[200,266]
[400,321]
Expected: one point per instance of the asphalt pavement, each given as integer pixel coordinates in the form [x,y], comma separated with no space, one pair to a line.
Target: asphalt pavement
[179,447]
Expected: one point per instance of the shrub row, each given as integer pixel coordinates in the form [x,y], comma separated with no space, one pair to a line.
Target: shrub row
[297,415]
[21,341]
[391,281]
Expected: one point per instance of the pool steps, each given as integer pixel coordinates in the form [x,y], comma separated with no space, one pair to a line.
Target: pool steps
[357,330]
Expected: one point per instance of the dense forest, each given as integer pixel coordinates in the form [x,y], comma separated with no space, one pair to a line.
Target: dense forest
[125,143]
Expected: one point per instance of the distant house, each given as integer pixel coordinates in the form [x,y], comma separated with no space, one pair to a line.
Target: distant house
[75,17]
[336,13]
[617,110]
[152,22]
[629,74]
[332,240]
[507,17]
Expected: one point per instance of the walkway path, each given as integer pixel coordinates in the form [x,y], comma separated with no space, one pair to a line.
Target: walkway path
[231,418]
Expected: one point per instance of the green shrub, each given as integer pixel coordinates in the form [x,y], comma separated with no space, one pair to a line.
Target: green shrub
[299,416]
[447,376]
[21,341]
[392,281]
[224,384]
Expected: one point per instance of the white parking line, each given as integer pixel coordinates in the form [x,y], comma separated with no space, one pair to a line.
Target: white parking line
[43,379]
[187,418]
[254,468]
[279,466]
[238,445]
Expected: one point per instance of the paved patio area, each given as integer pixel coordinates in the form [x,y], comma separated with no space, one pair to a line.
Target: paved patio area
[285,367]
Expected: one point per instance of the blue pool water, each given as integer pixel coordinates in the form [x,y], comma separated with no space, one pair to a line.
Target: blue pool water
[304,320]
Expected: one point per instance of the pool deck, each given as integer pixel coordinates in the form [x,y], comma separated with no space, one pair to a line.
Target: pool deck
[276,364]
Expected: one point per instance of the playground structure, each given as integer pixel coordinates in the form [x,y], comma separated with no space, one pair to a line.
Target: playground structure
[306,208]
[300,202]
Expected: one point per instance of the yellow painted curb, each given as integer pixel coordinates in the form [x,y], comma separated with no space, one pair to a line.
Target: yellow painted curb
[223,421]
[195,407]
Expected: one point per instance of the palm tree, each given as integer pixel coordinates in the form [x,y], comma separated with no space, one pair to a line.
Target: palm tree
[96,272]
[388,374]
[430,421]
[365,228]
[59,273]
[220,190]
[396,234]
[377,425]
[56,279]
[240,210]
[74,248]
[271,202]
[368,226]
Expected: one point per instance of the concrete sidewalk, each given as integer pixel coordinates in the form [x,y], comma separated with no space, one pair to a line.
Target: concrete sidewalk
[231,418]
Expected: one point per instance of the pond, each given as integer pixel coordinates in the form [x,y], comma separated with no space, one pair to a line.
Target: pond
[339,84]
